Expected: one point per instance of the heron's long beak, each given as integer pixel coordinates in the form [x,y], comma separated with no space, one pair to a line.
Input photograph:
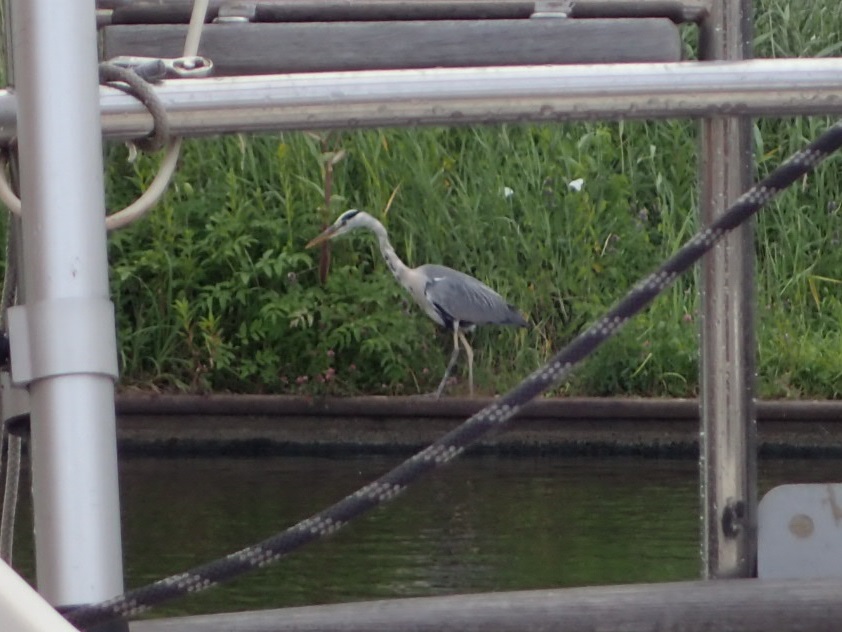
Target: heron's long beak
[324,236]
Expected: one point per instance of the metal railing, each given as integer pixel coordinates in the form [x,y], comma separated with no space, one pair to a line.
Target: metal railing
[201,107]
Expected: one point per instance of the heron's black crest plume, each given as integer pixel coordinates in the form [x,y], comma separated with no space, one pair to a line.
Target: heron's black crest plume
[348,215]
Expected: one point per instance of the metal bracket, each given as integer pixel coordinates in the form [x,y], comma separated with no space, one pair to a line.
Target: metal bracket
[733,518]
[552,9]
[237,13]
[55,338]
[154,69]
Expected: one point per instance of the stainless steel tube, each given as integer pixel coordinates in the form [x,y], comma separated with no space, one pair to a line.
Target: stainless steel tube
[475,95]
[67,358]
[485,95]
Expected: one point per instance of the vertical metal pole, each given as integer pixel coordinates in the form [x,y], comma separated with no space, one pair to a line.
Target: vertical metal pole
[728,434]
[63,338]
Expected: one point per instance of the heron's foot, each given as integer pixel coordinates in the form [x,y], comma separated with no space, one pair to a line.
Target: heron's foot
[430,395]
[436,394]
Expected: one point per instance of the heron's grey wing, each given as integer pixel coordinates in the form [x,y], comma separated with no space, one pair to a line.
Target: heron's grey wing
[458,296]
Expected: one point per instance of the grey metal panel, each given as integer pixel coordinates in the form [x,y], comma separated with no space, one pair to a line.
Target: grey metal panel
[250,49]
[728,606]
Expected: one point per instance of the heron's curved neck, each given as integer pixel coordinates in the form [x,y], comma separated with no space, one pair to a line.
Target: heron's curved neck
[399,268]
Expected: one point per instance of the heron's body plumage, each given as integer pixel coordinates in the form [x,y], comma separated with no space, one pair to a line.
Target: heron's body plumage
[456,296]
[452,299]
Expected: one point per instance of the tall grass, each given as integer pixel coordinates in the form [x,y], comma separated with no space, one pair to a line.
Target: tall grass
[215,292]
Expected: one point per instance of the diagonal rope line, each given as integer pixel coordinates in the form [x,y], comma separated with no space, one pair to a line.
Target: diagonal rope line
[493,417]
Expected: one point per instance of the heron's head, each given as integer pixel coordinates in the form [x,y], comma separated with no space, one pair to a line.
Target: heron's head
[348,221]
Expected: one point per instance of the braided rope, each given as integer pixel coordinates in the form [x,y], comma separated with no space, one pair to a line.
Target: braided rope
[493,417]
[134,84]
[10,445]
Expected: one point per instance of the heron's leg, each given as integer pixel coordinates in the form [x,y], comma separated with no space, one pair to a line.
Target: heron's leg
[451,363]
[470,353]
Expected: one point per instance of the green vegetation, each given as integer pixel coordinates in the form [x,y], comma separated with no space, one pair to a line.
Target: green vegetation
[214,290]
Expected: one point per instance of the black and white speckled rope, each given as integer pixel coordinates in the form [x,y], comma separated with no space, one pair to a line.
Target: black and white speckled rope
[493,417]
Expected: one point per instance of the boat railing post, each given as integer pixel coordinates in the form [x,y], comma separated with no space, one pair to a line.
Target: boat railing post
[63,336]
[728,434]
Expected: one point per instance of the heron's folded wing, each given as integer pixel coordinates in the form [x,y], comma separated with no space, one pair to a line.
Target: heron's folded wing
[458,296]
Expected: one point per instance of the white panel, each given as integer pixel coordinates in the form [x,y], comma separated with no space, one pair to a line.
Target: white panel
[800,532]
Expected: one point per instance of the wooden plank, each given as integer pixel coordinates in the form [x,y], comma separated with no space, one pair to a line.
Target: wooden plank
[252,49]
[267,424]
[178,11]
[367,10]
[408,407]
[346,10]
[747,605]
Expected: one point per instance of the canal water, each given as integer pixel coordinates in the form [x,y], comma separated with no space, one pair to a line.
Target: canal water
[481,524]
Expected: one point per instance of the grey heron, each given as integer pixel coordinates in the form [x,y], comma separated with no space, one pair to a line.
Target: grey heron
[454,300]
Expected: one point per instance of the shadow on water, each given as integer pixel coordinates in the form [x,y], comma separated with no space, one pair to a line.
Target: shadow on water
[482,524]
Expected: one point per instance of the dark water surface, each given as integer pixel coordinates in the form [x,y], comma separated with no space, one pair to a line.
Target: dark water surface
[483,523]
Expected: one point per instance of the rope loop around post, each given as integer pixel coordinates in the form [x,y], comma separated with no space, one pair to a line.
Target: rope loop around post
[132,83]
[140,88]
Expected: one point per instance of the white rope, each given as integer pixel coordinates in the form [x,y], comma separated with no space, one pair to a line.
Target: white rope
[159,183]
[10,467]
[153,192]
[194,31]
[10,493]
[7,196]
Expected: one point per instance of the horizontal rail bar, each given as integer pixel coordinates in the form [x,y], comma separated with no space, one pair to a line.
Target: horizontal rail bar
[748,605]
[456,96]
